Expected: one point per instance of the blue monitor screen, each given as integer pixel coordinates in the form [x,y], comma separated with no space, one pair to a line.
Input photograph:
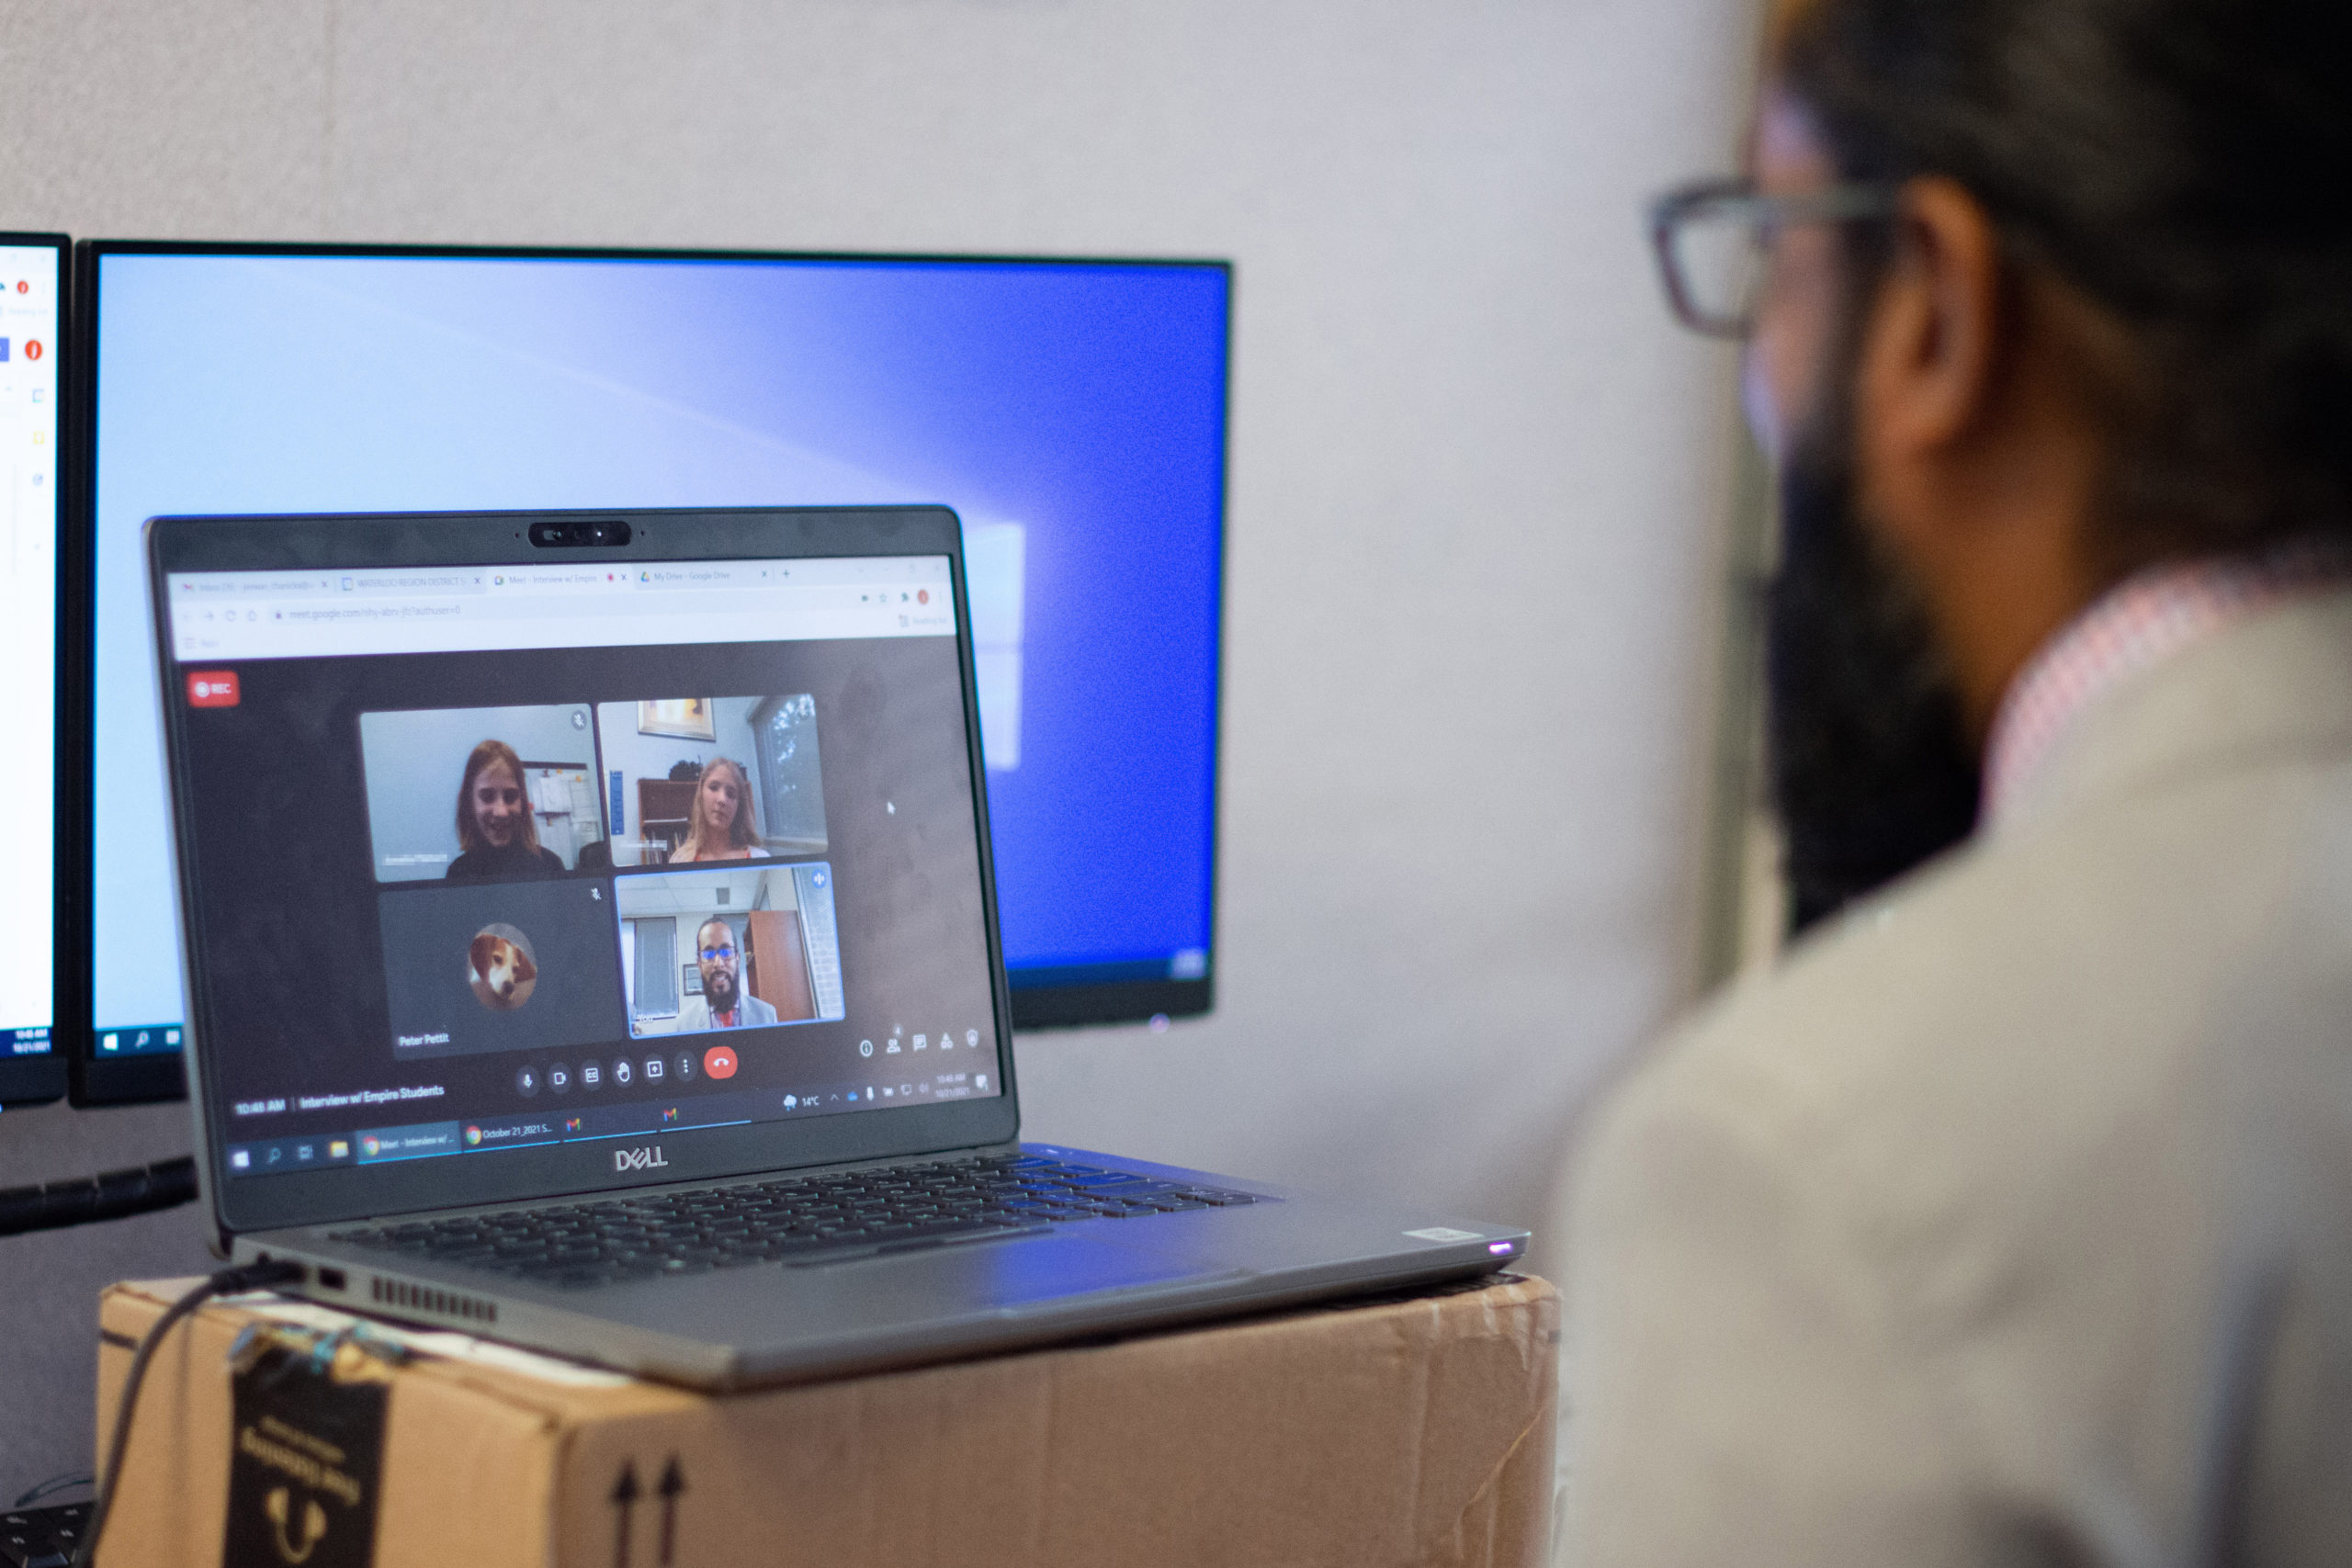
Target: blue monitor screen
[1072,413]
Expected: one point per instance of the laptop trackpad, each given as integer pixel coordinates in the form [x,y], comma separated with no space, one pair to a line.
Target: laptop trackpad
[1017,1276]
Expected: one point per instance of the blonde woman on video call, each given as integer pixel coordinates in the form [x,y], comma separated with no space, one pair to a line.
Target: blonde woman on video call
[721,827]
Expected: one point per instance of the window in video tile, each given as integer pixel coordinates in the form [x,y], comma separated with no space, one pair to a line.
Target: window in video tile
[720,949]
[712,778]
[483,794]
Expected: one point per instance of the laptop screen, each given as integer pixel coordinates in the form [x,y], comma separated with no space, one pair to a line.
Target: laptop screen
[493,858]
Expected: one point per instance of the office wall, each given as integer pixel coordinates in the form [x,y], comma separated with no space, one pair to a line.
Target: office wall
[1479,480]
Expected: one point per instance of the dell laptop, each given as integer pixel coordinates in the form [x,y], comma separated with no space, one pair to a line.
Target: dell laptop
[590,941]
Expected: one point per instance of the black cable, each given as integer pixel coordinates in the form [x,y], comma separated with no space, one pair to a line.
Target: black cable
[110,1195]
[227,1282]
[54,1485]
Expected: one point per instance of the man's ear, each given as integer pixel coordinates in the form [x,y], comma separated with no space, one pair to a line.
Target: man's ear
[1931,350]
[1977,455]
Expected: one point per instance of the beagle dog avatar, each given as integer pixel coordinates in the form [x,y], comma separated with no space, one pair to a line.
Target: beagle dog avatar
[501,969]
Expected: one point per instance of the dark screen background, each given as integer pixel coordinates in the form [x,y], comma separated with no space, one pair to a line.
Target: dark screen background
[286,898]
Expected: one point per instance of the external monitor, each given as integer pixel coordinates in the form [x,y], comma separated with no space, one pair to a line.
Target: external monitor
[33,283]
[1072,413]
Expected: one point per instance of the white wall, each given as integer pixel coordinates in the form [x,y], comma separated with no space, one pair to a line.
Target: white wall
[1477,478]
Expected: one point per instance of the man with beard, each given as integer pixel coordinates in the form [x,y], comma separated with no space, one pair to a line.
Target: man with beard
[724,1004]
[2006,1220]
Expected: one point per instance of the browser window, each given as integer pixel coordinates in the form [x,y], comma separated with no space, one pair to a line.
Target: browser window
[490,858]
[29,288]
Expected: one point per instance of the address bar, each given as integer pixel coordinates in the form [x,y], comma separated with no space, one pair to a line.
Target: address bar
[548,613]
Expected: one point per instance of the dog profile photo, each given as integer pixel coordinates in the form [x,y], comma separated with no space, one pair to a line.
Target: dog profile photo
[500,968]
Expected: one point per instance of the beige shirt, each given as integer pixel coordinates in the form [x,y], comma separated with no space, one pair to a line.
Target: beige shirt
[2010,1221]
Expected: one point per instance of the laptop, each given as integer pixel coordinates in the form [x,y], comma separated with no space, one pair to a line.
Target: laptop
[591,943]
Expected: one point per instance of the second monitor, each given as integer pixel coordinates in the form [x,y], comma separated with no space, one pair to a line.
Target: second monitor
[1072,411]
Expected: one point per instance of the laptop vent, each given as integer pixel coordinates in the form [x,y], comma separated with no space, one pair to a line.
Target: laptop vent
[444,1304]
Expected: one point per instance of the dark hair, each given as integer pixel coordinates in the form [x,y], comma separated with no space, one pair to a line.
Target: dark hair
[2185,166]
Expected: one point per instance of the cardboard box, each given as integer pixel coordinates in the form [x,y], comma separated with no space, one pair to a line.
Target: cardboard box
[1405,1431]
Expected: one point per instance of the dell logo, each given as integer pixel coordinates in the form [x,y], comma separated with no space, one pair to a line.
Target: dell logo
[638,1159]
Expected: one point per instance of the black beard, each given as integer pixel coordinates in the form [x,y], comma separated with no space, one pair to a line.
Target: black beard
[719,993]
[1870,767]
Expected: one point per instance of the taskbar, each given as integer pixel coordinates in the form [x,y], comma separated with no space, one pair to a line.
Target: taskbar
[1062,995]
[533,1129]
[136,1039]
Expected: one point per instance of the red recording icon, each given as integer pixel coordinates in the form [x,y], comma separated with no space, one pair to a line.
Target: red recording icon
[212,689]
[32,348]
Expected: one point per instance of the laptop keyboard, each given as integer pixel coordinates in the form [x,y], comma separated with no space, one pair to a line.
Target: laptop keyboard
[790,1220]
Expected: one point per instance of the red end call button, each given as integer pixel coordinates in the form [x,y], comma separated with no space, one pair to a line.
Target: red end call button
[719,1062]
[212,689]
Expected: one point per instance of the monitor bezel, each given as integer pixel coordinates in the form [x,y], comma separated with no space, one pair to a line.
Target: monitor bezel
[72,1033]
[32,1080]
[357,541]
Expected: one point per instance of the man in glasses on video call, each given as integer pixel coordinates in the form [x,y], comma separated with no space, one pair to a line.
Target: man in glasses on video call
[2010,1219]
[724,1004]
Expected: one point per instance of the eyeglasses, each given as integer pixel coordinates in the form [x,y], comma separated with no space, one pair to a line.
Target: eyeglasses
[717,955]
[1714,242]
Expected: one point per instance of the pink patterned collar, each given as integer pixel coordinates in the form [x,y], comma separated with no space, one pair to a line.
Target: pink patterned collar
[2145,618]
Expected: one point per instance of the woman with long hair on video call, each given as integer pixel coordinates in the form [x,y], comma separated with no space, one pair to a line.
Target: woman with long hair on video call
[498,838]
[721,827]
